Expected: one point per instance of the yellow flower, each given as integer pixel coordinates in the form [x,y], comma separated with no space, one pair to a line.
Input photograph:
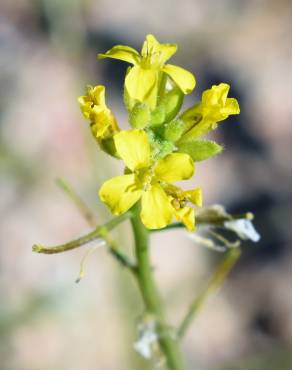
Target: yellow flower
[151,182]
[143,78]
[94,108]
[214,107]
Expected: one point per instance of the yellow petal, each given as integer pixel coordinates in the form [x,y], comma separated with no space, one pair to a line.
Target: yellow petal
[175,167]
[122,52]
[187,216]
[231,107]
[216,95]
[194,196]
[215,104]
[156,210]
[85,106]
[140,82]
[184,79]
[133,147]
[158,53]
[120,193]
[98,129]
[97,95]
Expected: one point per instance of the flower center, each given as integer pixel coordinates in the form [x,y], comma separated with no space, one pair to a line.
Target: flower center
[145,176]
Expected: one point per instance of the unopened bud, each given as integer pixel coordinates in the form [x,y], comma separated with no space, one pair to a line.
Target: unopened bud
[174,130]
[140,116]
[172,102]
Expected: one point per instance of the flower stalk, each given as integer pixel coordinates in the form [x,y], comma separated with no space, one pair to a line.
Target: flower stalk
[100,232]
[214,284]
[167,339]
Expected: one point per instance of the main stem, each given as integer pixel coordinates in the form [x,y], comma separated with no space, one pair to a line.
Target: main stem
[167,339]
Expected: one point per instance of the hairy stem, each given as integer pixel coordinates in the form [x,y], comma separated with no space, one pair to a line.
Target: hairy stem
[167,340]
[214,284]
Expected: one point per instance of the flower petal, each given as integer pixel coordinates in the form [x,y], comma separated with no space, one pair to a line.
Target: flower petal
[156,211]
[133,147]
[216,95]
[122,52]
[175,167]
[231,107]
[187,216]
[120,193]
[159,53]
[184,79]
[194,196]
[140,82]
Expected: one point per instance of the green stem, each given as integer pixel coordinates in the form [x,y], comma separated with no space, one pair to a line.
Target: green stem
[167,340]
[98,232]
[214,284]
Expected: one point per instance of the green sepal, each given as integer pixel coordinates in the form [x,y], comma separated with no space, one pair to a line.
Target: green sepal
[108,146]
[140,116]
[173,130]
[168,107]
[200,150]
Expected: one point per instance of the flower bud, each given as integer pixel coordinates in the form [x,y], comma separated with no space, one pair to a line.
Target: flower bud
[158,116]
[140,116]
[172,102]
[173,130]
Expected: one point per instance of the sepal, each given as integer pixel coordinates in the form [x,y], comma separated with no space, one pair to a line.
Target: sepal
[200,150]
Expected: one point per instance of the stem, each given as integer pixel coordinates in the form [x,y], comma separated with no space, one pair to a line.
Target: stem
[91,220]
[167,340]
[214,284]
[98,232]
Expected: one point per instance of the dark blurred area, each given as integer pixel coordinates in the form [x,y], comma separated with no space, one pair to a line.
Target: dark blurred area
[47,56]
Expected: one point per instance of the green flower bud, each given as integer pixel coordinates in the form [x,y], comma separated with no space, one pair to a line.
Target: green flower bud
[172,102]
[173,130]
[158,116]
[140,116]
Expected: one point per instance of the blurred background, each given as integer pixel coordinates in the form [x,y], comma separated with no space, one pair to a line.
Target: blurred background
[47,56]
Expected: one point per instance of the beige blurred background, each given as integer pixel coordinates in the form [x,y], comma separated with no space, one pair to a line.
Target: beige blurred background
[47,55]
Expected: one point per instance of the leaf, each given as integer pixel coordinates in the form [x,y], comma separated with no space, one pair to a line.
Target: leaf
[200,150]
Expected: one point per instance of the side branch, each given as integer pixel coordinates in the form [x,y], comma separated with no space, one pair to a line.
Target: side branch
[214,284]
[98,232]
